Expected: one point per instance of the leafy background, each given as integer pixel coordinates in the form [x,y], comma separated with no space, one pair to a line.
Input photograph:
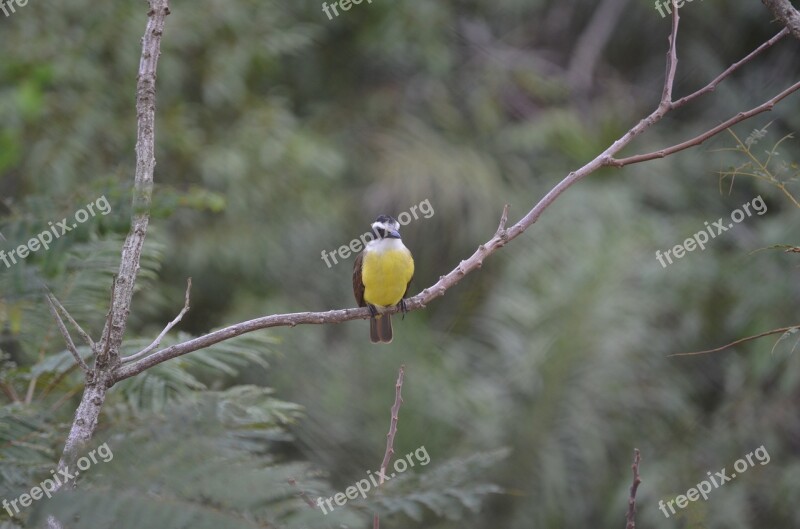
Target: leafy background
[281,134]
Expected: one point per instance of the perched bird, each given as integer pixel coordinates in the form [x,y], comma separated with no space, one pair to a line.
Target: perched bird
[381,275]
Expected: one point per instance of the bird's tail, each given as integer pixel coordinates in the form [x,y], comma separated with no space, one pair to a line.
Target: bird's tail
[380,328]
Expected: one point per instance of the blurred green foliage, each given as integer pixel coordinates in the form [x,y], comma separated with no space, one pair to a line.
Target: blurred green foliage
[282,134]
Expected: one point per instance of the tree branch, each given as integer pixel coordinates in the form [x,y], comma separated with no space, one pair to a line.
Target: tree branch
[143,180]
[71,320]
[710,87]
[740,340]
[672,60]
[387,456]
[503,234]
[170,325]
[67,337]
[786,13]
[94,393]
[697,140]
[631,518]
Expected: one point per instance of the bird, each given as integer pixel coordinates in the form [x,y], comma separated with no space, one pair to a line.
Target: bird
[382,273]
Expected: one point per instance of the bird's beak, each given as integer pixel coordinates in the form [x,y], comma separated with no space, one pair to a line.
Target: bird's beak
[394,234]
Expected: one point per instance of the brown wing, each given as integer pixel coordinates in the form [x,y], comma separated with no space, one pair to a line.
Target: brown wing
[358,285]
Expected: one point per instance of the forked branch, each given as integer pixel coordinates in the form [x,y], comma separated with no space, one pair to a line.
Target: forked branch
[503,235]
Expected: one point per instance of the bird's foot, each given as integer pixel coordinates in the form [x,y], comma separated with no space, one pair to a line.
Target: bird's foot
[403,308]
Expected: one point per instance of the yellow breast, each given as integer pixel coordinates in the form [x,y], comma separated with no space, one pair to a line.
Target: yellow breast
[386,275]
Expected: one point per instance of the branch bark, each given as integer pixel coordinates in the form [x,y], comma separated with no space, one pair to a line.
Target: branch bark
[147,350]
[784,11]
[107,350]
[387,456]
[67,338]
[631,517]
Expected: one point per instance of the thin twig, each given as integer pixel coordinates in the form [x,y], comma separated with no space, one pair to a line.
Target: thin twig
[697,140]
[66,335]
[740,340]
[71,320]
[387,456]
[631,518]
[501,228]
[710,87]
[170,325]
[672,60]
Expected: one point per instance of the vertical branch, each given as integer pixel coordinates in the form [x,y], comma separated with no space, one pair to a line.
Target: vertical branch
[672,59]
[88,412]
[387,457]
[143,185]
[631,519]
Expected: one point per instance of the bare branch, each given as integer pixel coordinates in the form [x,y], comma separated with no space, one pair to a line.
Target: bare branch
[398,401]
[672,60]
[94,393]
[631,518]
[697,140]
[147,350]
[71,320]
[740,340]
[66,335]
[501,228]
[501,237]
[784,11]
[710,87]
[387,456]
[143,180]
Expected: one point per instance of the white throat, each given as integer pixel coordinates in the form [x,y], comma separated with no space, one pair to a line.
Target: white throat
[385,245]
